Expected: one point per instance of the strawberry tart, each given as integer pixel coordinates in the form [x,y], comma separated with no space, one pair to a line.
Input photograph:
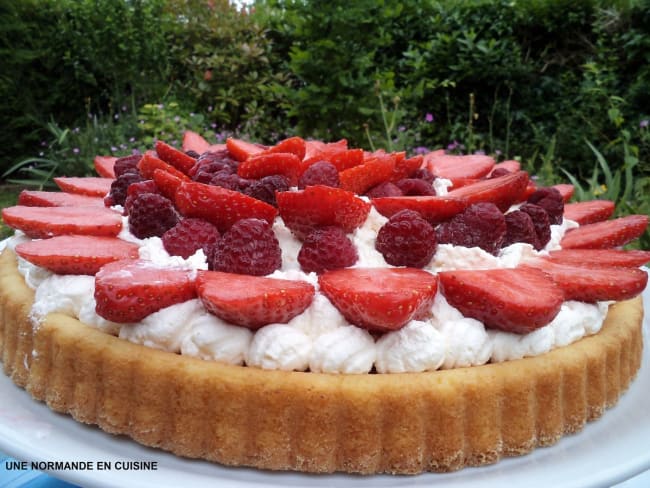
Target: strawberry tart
[313,307]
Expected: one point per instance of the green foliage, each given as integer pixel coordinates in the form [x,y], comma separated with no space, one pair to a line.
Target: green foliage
[166,122]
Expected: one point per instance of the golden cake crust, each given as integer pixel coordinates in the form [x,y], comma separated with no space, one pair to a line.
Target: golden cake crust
[392,423]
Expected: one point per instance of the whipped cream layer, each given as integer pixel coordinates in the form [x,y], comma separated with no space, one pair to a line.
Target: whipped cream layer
[320,339]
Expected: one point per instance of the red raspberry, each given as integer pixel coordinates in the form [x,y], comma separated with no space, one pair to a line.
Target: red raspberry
[265,188]
[550,199]
[424,174]
[119,186]
[230,181]
[135,189]
[413,187]
[211,162]
[190,235]
[385,189]
[320,173]
[327,248]
[248,247]
[541,221]
[407,240]
[127,164]
[479,225]
[151,215]
[520,228]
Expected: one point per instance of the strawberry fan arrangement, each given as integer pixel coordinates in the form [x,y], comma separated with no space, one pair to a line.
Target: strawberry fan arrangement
[225,201]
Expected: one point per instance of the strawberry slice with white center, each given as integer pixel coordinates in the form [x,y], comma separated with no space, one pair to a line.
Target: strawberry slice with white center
[78,255]
[43,222]
[105,166]
[513,300]
[452,167]
[220,206]
[606,234]
[253,301]
[129,290]
[589,212]
[380,299]
[320,206]
[592,283]
[35,198]
[632,258]
[433,209]
[94,186]
[503,191]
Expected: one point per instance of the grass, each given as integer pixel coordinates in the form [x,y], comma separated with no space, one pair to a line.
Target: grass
[8,197]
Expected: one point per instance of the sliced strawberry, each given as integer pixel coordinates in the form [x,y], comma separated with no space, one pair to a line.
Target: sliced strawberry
[513,300]
[319,206]
[129,290]
[34,198]
[167,183]
[294,145]
[372,172]
[405,168]
[193,141]
[150,163]
[590,211]
[104,166]
[220,206]
[601,257]
[380,299]
[452,166]
[592,283]
[94,186]
[253,301]
[510,165]
[347,159]
[242,150]
[503,191]
[76,254]
[171,155]
[43,222]
[270,163]
[433,209]
[322,151]
[606,234]
[566,190]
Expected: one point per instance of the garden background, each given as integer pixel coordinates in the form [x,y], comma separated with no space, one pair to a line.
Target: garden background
[561,85]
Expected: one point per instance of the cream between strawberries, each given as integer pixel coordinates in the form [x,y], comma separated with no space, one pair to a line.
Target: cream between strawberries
[320,339]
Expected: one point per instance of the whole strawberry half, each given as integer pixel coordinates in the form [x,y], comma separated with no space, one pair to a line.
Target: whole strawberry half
[320,206]
[252,301]
[606,234]
[592,283]
[512,300]
[129,290]
[78,255]
[380,299]
[589,212]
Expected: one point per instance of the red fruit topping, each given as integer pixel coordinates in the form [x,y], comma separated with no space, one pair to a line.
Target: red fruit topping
[230,181]
[407,240]
[433,209]
[325,249]
[347,159]
[520,228]
[127,164]
[151,215]
[149,164]
[496,172]
[320,173]
[118,192]
[566,190]
[190,235]
[541,221]
[104,166]
[78,254]
[407,168]
[592,283]
[322,151]
[601,257]
[606,234]
[167,183]
[518,300]
[480,225]
[266,164]
[551,200]
[248,247]
[589,212]
[413,187]
[171,155]
[293,145]
[320,206]
[43,222]
[380,299]
[452,166]
[84,185]
[266,188]
[502,191]
[424,174]
[361,178]
[129,290]
[385,189]
[35,198]
[210,163]
[253,301]
[136,189]
[194,142]
[242,150]
[511,166]
[220,206]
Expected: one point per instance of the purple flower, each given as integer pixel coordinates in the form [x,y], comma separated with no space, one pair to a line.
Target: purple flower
[401,128]
[76,150]
[644,123]
[428,117]
[113,149]
[421,150]
[135,151]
